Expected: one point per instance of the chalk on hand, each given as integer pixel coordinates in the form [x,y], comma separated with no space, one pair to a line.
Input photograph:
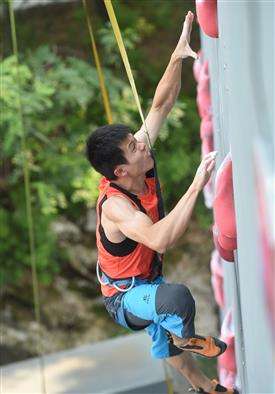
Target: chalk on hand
[214,153]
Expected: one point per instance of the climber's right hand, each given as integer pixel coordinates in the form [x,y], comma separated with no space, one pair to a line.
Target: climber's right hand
[205,170]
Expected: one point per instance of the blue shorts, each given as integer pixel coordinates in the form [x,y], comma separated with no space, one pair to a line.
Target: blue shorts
[158,307]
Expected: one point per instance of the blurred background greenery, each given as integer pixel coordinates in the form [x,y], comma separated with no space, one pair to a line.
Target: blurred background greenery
[62,105]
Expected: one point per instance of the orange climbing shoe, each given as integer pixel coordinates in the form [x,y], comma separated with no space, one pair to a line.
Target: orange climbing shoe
[205,346]
[218,388]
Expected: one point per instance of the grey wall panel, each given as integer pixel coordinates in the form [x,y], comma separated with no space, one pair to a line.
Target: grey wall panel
[215,53]
[242,88]
[245,25]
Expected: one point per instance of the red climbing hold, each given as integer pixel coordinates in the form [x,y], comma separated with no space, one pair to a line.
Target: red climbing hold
[227,255]
[197,66]
[207,145]
[227,361]
[223,207]
[203,92]
[206,129]
[207,17]
[217,278]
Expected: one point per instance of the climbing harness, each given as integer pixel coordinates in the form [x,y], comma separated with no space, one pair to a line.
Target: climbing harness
[130,282]
[116,283]
[125,284]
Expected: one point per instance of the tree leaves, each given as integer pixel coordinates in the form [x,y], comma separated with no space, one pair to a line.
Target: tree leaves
[59,97]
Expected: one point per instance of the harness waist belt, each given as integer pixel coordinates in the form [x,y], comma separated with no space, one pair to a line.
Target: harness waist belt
[129,283]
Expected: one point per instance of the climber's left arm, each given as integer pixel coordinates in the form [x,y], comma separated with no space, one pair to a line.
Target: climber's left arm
[169,86]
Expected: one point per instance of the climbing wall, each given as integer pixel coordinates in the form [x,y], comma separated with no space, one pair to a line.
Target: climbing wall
[241,85]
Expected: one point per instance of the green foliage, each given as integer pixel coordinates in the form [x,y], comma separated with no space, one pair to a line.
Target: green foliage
[178,151]
[62,104]
[108,41]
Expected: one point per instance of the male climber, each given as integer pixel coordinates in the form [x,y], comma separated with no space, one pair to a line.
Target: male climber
[133,233]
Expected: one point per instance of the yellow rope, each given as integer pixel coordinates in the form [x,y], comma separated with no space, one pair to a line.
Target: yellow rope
[26,173]
[102,85]
[117,33]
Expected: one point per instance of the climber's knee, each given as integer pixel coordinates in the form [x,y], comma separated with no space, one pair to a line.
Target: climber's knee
[175,299]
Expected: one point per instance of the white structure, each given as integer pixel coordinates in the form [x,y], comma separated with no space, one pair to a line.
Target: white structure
[120,365]
[241,65]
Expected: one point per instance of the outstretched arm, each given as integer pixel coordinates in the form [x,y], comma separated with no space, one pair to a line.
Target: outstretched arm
[169,86]
[163,234]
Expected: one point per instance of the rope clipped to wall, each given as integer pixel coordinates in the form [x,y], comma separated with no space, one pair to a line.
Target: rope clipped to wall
[27,185]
